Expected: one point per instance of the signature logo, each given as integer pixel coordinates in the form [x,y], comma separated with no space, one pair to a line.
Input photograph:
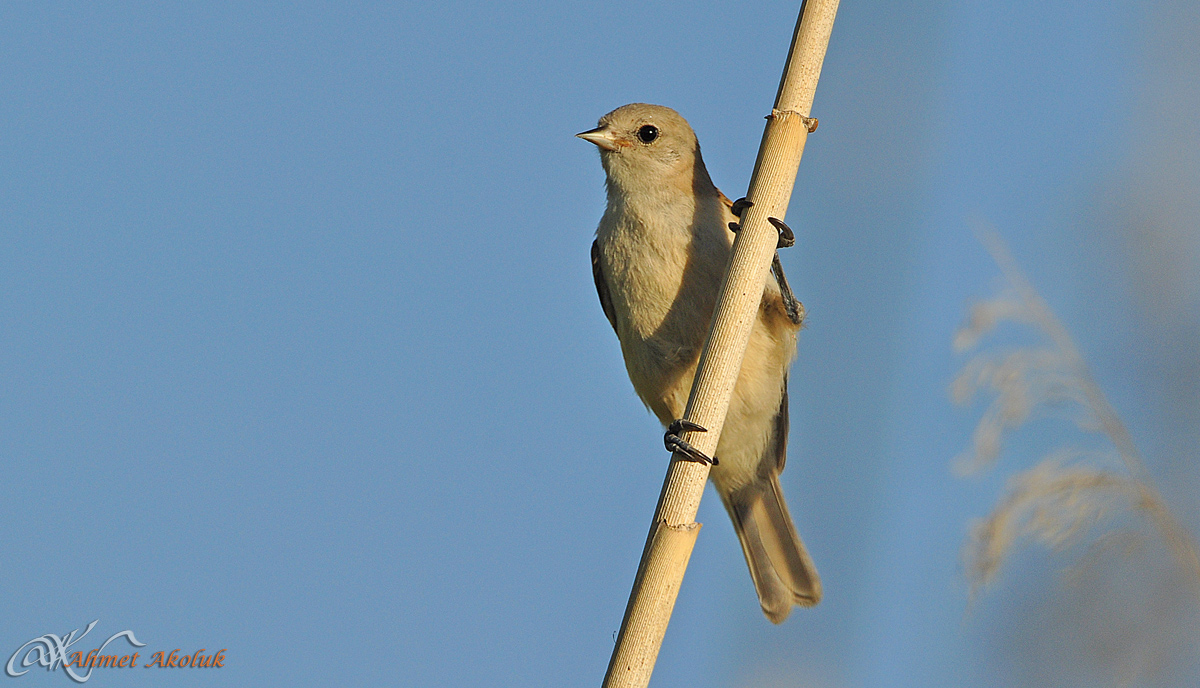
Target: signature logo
[51,651]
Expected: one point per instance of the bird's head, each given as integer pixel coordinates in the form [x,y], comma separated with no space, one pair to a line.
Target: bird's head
[645,146]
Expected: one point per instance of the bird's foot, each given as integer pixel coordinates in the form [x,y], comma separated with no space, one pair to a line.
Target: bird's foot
[674,443]
[739,206]
[787,238]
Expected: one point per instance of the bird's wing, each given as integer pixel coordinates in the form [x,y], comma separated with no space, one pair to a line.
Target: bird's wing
[602,286]
[725,199]
[780,434]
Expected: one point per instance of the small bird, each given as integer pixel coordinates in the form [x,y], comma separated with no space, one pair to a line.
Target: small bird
[658,261]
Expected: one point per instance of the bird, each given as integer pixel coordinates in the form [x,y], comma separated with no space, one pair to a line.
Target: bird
[658,260]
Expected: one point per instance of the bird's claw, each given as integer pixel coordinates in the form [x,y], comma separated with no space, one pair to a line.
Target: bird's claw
[674,443]
[787,238]
[739,206]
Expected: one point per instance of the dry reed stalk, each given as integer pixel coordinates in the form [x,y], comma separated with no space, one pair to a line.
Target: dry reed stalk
[674,529]
[1057,501]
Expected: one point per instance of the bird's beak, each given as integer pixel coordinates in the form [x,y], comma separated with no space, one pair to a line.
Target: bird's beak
[601,136]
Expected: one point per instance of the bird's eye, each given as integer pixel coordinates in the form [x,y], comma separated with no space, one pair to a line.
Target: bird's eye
[648,133]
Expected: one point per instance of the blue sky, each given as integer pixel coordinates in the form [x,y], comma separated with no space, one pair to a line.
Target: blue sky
[300,354]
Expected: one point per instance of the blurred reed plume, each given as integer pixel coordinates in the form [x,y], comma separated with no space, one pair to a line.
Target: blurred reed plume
[1073,495]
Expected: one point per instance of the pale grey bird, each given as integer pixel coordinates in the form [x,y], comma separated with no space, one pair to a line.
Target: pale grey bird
[660,253]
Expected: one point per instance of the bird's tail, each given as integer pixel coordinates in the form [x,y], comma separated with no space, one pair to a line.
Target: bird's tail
[783,572]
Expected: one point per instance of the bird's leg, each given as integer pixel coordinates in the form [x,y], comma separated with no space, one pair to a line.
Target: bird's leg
[674,443]
[787,238]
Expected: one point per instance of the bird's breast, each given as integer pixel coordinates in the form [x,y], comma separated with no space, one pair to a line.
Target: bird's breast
[663,267]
